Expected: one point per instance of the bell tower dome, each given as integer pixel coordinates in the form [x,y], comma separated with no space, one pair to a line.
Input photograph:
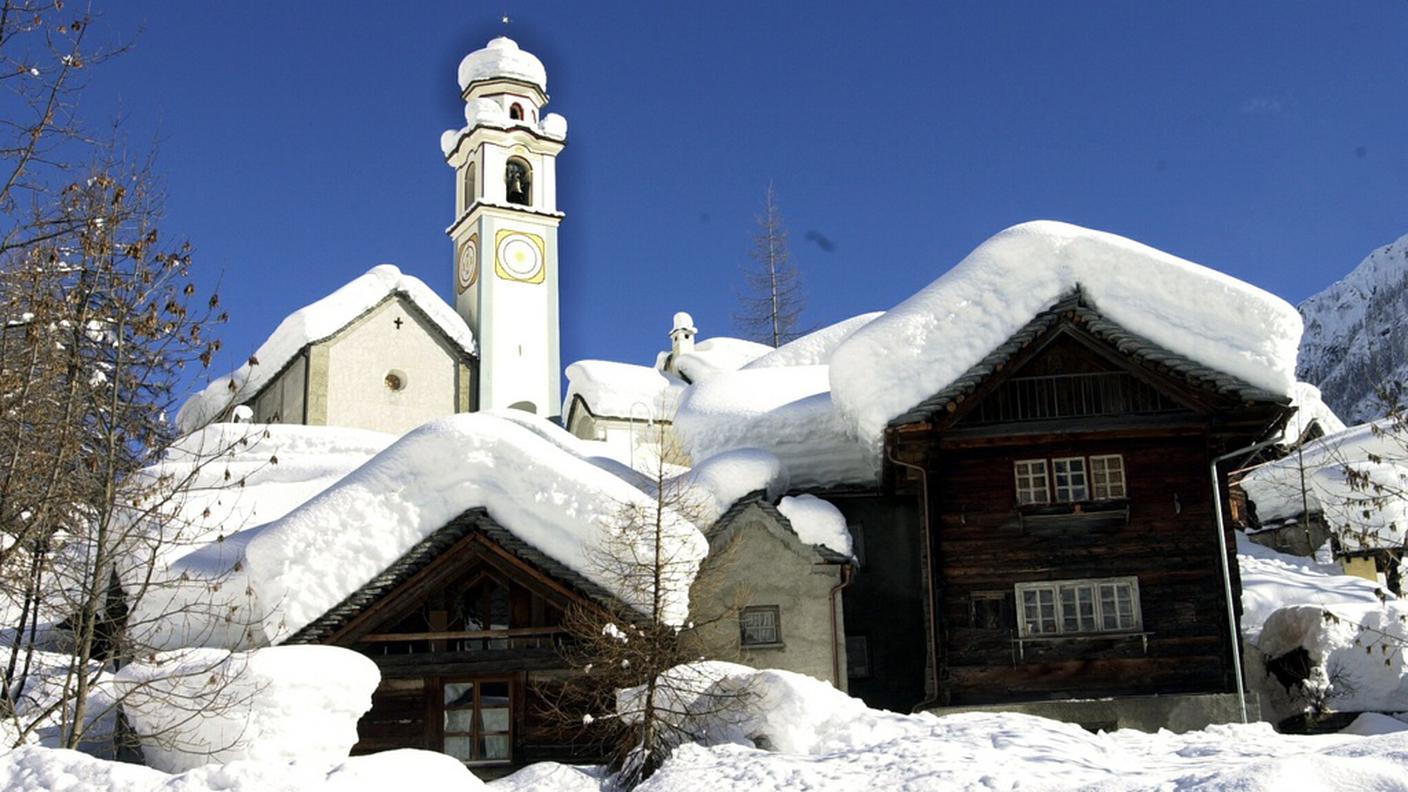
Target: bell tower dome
[505,227]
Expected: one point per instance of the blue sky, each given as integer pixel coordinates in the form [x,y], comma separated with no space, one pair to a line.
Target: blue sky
[298,142]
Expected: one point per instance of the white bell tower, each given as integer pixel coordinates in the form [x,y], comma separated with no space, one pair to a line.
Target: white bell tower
[505,229]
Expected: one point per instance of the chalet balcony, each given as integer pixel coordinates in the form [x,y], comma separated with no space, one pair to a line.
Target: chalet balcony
[1058,396]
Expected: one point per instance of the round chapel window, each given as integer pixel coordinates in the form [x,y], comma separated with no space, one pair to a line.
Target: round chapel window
[395,381]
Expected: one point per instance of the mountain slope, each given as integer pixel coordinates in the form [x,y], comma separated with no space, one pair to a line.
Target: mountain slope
[1356,334]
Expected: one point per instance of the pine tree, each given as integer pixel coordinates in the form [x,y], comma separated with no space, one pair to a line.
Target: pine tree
[772,302]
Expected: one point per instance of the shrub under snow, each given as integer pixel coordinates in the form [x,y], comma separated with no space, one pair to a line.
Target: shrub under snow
[199,706]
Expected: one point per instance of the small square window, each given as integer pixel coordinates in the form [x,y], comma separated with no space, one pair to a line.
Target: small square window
[760,625]
[1107,477]
[1031,481]
[989,611]
[857,656]
[1069,475]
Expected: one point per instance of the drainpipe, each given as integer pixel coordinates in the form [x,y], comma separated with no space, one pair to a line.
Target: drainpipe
[1226,570]
[929,577]
[836,653]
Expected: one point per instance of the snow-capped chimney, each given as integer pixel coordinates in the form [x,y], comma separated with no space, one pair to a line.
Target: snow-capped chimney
[682,335]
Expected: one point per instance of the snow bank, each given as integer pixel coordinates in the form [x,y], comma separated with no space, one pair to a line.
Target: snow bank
[202,706]
[315,322]
[1341,472]
[622,390]
[817,522]
[1272,580]
[793,732]
[787,411]
[926,342]
[50,770]
[1356,651]
[814,348]
[299,566]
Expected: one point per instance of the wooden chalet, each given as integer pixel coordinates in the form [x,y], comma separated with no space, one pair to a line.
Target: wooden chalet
[1067,531]
[465,627]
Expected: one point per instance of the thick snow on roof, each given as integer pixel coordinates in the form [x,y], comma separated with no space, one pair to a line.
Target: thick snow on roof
[1340,473]
[716,483]
[816,347]
[926,342]
[817,522]
[315,322]
[622,390]
[502,57]
[1310,409]
[787,411]
[718,354]
[296,568]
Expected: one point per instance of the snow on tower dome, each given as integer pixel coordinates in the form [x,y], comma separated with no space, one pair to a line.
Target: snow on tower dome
[502,57]
[922,345]
[683,321]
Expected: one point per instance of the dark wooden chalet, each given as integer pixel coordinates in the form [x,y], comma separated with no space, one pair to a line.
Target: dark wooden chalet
[1066,513]
[466,628]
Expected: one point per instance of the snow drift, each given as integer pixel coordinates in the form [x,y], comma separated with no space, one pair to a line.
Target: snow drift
[196,707]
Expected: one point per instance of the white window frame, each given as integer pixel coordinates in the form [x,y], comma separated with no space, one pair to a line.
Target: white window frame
[1108,482]
[1022,470]
[1070,488]
[1053,590]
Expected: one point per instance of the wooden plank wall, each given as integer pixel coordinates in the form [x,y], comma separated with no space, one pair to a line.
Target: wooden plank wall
[1167,543]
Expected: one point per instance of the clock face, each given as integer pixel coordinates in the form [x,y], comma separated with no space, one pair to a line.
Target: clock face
[469,263]
[519,257]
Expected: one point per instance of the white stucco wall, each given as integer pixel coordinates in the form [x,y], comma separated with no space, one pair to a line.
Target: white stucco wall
[360,357]
[281,401]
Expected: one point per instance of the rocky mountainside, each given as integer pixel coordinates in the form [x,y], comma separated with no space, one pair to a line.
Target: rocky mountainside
[1356,334]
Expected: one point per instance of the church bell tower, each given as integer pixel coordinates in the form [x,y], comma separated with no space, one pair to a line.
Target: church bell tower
[505,229]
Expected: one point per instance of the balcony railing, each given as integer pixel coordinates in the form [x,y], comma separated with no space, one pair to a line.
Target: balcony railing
[1070,396]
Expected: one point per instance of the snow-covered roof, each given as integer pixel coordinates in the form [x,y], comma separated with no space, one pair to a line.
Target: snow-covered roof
[714,355]
[1311,411]
[816,347]
[622,390]
[817,522]
[287,573]
[787,411]
[1355,478]
[317,322]
[926,342]
[502,58]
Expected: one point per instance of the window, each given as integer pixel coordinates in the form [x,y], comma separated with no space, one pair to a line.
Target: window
[518,182]
[857,656]
[988,610]
[1074,607]
[478,722]
[515,111]
[1107,477]
[1070,479]
[469,185]
[395,380]
[760,626]
[1031,481]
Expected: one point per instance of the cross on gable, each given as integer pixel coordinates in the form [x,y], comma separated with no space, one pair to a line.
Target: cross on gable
[398,323]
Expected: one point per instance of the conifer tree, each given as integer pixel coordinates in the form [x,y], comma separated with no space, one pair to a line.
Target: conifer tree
[772,301]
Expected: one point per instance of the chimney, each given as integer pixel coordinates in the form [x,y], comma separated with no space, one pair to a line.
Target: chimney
[681,338]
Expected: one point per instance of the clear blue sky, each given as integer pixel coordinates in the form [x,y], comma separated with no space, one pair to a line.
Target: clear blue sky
[299,141]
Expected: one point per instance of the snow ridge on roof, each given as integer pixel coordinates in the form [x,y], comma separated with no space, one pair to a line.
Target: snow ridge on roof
[316,322]
[816,347]
[622,390]
[926,342]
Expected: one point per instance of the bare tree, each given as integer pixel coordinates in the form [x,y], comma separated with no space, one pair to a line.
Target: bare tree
[772,300]
[640,691]
[100,324]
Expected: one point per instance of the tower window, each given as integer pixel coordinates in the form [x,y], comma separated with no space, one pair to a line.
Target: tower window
[518,182]
[469,193]
[515,112]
